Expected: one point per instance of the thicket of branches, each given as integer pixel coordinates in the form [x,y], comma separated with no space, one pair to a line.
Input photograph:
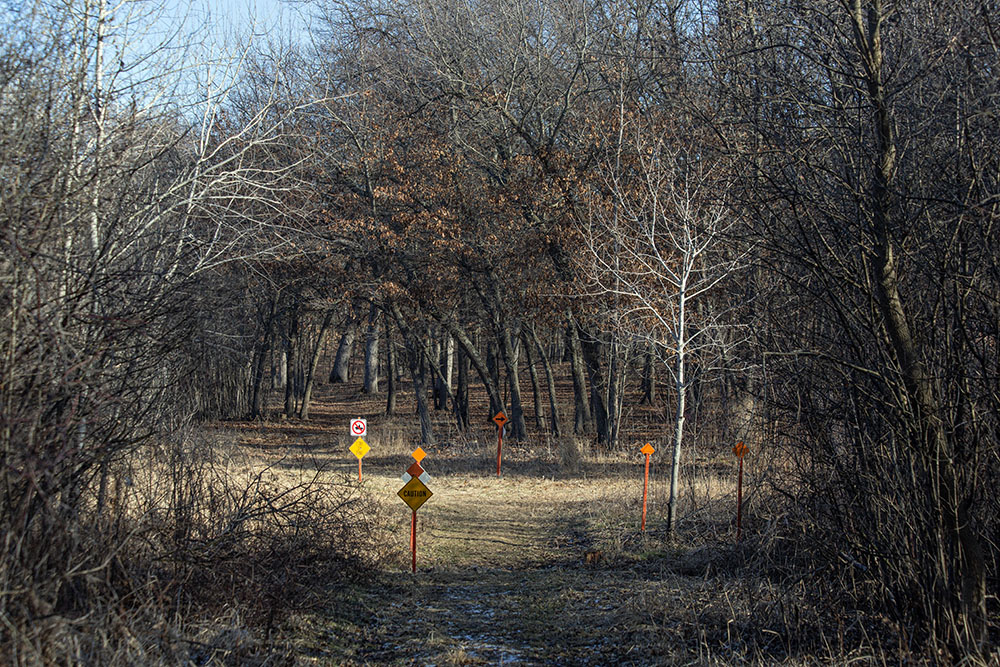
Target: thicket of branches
[786,209]
[124,213]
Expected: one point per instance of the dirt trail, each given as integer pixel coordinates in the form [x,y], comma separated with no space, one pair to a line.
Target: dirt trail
[533,568]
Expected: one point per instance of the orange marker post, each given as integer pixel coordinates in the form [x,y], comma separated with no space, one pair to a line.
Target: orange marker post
[647,449]
[500,418]
[740,450]
[415,493]
[413,540]
[359,449]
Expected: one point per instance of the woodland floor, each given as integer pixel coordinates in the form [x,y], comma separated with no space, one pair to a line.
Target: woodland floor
[544,565]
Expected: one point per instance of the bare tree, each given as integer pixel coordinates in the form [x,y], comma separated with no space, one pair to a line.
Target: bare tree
[121,190]
[665,250]
[863,157]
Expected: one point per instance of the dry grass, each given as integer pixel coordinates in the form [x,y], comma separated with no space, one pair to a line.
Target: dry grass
[547,564]
[210,544]
[544,565]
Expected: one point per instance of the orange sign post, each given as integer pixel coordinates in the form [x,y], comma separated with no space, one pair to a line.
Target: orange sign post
[740,450]
[500,418]
[359,449]
[647,449]
[415,493]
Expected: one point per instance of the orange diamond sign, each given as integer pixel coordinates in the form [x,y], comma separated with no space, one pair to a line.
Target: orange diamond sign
[419,454]
[414,493]
[647,449]
[500,418]
[740,449]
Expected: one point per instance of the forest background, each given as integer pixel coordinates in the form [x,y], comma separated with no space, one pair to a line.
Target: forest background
[776,221]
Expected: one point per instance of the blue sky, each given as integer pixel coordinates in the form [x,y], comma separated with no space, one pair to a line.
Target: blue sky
[223,20]
[266,17]
[197,41]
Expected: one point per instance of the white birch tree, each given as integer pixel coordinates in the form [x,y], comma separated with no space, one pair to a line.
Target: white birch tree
[661,248]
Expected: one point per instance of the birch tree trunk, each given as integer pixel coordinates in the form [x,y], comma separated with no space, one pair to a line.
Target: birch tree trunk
[680,388]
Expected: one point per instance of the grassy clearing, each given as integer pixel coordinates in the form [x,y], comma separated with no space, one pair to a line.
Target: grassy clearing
[547,564]
[544,565]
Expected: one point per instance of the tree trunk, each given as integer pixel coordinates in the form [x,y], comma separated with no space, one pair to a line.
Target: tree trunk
[581,412]
[279,371]
[391,377]
[492,364]
[256,396]
[413,348]
[649,376]
[616,377]
[496,404]
[535,393]
[371,352]
[449,359]
[462,391]
[592,352]
[438,358]
[550,381]
[680,387]
[442,355]
[342,364]
[509,351]
[313,364]
[965,553]
[291,344]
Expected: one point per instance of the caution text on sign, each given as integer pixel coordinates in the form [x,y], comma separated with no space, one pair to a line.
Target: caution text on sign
[414,493]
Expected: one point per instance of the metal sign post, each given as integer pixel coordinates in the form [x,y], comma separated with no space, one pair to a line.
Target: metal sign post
[359,449]
[500,418]
[415,493]
[647,449]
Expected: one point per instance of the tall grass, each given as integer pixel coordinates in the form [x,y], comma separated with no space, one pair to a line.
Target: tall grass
[200,553]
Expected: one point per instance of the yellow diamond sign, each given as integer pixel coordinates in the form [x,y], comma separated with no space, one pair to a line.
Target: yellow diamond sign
[414,493]
[360,448]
